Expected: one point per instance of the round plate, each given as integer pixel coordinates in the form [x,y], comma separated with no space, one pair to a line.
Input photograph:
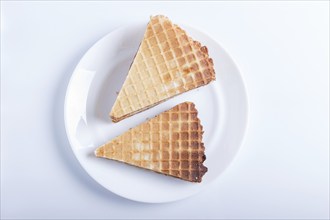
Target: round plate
[93,88]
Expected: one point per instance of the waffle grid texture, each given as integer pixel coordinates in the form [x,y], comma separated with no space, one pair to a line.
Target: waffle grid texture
[167,63]
[170,143]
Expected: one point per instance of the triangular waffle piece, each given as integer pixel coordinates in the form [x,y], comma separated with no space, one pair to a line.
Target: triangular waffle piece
[167,63]
[170,143]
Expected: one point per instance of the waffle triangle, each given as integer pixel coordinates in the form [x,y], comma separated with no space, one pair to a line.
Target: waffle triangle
[167,63]
[170,143]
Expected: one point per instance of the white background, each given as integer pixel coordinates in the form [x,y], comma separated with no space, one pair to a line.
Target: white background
[282,49]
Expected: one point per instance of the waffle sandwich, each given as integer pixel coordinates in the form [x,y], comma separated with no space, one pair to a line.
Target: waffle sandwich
[167,63]
[170,143]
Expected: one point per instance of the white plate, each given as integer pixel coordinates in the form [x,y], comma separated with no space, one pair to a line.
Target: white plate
[222,107]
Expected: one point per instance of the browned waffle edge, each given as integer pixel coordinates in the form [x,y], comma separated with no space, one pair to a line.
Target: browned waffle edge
[117,119]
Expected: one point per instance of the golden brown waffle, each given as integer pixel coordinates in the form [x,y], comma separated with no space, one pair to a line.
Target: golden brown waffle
[167,64]
[170,143]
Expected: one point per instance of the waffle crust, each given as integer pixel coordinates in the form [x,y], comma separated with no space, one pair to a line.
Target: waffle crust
[167,63]
[170,144]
